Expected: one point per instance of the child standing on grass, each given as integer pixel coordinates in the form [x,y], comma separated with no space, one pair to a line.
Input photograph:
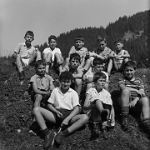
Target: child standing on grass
[103,52]
[77,72]
[25,54]
[52,54]
[133,97]
[121,57]
[64,107]
[98,103]
[42,84]
[82,51]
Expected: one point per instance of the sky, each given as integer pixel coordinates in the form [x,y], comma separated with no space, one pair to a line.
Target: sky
[53,17]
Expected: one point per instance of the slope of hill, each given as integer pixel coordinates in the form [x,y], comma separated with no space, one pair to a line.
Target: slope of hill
[16,119]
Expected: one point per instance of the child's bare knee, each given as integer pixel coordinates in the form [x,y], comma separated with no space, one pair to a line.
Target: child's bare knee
[125,91]
[38,97]
[145,100]
[35,110]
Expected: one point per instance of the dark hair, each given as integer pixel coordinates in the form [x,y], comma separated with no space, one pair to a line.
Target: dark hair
[118,41]
[97,61]
[52,37]
[99,39]
[130,63]
[76,56]
[99,75]
[79,38]
[40,62]
[29,33]
[66,75]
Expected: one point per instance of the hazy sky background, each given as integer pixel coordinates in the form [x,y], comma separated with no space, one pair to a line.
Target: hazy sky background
[46,17]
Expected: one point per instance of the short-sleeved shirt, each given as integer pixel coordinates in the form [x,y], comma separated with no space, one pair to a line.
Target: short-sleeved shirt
[82,52]
[24,51]
[49,50]
[90,74]
[104,53]
[135,83]
[42,83]
[67,101]
[103,95]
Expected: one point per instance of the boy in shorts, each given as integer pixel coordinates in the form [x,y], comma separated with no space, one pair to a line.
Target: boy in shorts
[104,52]
[121,57]
[52,54]
[63,106]
[82,51]
[133,96]
[98,103]
[25,54]
[42,84]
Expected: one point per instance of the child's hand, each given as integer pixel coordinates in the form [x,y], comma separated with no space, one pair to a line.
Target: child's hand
[59,114]
[141,93]
[65,122]
[133,103]
[48,93]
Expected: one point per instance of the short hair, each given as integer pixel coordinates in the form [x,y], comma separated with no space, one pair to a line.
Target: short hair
[119,40]
[97,61]
[100,38]
[130,63]
[52,37]
[80,38]
[99,75]
[29,33]
[40,62]
[76,56]
[66,75]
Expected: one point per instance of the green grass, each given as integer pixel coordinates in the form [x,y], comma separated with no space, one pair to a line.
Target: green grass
[16,113]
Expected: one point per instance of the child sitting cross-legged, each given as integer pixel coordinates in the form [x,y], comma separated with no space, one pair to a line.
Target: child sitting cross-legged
[41,84]
[64,108]
[98,102]
[133,96]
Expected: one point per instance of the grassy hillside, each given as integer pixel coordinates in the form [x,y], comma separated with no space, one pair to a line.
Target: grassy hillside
[16,113]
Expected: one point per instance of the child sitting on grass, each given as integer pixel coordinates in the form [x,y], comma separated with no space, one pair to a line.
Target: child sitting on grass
[98,103]
[64,108]
[53,54]
[82,51]
[133,96]
[77,72]
[25,54]
[121,57]
[41,83]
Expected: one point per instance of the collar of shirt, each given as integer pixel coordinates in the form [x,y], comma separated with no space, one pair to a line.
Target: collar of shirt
[69,90]
[40,76]
[24,44]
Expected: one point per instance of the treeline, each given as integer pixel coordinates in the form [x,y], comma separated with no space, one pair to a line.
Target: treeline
[133,29]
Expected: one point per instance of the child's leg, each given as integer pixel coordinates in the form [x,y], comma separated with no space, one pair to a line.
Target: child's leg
[88,86]
[87,65]
[48,59]
[38,99]
[35,56]
[19,63]
[109,67]
[78,86]
[59,58]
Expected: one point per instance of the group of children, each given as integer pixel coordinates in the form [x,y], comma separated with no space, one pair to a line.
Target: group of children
[62,105]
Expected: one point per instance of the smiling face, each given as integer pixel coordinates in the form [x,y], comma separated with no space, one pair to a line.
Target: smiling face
[52,44]
[118,46]
[40,70]
[28,39]
[79,44]
[129,72]
[102,45]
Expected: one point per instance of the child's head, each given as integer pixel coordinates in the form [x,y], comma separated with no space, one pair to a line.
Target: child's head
[98,64]
[79,42]
[101,42]
[74,60]
[129,69]
[40,67]
[118,44]
[99,80]
[52,41]
[65,80]
[29,37]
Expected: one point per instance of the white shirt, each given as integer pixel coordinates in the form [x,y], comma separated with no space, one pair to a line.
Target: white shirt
[68,101]
[49,50]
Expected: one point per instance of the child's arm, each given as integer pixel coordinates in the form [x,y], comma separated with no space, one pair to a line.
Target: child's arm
[74,112]
[79,74]
[87,104]
[125,55]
